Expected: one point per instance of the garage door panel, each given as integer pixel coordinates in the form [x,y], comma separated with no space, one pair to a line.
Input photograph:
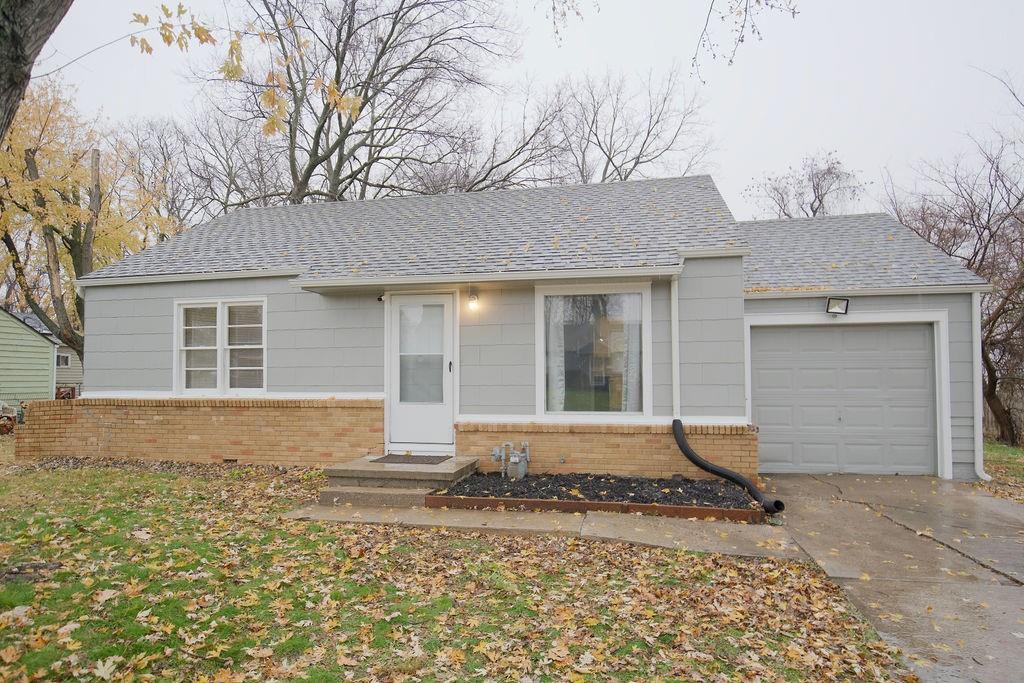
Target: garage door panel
[809,379]
[845,398]
[818,454]
[775,380]
[821,417]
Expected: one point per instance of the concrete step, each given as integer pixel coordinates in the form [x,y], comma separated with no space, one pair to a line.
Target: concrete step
[373,496]
[369,481]
[368,474]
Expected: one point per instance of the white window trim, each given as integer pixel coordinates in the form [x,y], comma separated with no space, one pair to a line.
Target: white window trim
[646,350]
[178,378]
[939,319]
[63,355]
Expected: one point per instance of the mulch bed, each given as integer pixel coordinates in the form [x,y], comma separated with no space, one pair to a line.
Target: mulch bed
[712,493]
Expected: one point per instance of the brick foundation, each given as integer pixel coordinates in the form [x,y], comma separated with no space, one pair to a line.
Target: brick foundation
[261,431]
[322,432]
[632,450]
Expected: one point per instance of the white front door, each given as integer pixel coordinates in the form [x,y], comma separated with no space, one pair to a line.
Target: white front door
[420,369]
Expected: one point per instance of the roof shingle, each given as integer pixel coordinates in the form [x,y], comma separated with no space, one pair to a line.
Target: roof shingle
[616,225]
[866,251]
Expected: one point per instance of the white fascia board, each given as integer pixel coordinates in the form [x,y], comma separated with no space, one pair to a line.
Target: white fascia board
[878,291]
[466,278]
[187,277]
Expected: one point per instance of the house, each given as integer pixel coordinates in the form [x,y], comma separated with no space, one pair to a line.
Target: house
[579,318]
[69,367]
[27,361]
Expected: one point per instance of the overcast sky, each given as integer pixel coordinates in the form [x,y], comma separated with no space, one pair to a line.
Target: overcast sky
[884,84]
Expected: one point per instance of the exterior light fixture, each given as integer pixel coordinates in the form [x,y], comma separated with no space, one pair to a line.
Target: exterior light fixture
[837,306]
[474,300]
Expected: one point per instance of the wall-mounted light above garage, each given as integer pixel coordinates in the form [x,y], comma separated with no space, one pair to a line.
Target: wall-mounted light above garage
[474,300]
[837,306]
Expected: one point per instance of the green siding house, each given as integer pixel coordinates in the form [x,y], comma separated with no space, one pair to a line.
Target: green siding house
[27,362]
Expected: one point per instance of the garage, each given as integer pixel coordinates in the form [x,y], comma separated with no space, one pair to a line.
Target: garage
[845,398]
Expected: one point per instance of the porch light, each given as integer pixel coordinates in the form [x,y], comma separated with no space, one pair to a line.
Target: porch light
[474,301]
[837,306]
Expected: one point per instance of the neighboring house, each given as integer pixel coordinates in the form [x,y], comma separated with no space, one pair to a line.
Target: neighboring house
[579,318]
[69,367]
[27,360]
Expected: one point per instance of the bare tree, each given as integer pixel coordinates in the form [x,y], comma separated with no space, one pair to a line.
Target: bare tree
[518,150]
[611,130]
[25,26]
[973,209]
[740,19]
[819,186]
[358,88]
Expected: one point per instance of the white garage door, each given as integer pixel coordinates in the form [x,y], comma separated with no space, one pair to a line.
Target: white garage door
[847,398]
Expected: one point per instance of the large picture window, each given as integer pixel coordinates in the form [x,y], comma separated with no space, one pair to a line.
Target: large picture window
[220,347]
[594,352]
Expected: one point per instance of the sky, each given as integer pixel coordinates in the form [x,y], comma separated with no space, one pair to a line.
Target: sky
[886,85]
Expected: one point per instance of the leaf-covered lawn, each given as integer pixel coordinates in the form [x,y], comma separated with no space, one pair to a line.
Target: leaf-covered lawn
[1006,465]
[192,575]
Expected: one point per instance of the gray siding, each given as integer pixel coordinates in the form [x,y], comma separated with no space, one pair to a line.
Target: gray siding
[712,355]
[661,337]
[961,354]
[315,343]
[73,373]
[496,353]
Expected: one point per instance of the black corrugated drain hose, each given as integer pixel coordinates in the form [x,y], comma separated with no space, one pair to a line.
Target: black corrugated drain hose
[770,505]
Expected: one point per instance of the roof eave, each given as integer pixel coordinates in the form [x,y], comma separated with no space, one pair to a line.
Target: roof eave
[187,277]
[874,291]
[324,284]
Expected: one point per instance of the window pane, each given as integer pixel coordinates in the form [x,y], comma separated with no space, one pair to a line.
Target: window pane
[202,336]
[593,349]
[201,359]
[420,378]
[201,317]
[246,358]
[245,315]
[245,336]
[421,328]
[246,379]
[200,379]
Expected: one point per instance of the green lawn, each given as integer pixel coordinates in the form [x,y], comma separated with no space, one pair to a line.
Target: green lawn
[191,575]
[1006,465]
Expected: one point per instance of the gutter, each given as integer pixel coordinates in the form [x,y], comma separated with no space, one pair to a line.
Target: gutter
[876,291]
[186,277]
[979,406]
[314,285]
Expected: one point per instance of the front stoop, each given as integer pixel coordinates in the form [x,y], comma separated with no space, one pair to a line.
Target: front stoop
[363,482]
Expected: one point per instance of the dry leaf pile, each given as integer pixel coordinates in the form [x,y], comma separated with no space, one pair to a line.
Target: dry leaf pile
[175,575]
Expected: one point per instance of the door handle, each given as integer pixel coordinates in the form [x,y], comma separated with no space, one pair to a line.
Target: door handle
[449,366]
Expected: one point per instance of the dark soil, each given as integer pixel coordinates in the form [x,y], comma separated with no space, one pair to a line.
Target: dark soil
[605,487]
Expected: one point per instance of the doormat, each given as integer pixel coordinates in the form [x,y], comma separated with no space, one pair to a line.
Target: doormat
[398,459]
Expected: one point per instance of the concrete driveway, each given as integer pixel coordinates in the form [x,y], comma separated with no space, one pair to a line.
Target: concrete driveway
[937,567]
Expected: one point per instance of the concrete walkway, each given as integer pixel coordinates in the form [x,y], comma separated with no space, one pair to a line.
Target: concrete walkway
[936,566]
[749,540]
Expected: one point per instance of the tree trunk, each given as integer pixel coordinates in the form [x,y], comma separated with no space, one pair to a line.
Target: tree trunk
[25,26]
[1007,430]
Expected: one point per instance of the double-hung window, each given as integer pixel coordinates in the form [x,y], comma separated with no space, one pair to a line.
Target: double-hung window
[221,347]
[594,349]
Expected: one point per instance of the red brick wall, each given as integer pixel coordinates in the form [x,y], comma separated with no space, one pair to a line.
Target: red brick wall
[280,432]
[635,450]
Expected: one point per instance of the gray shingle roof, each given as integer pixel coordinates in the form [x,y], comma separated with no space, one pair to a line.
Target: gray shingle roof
[844,253]
[629,224]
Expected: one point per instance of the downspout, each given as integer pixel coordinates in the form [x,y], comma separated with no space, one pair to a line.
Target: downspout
[770,505]
[979,408]
[674,318]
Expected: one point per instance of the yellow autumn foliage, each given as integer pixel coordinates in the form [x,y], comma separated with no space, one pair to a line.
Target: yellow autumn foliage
[45,179]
